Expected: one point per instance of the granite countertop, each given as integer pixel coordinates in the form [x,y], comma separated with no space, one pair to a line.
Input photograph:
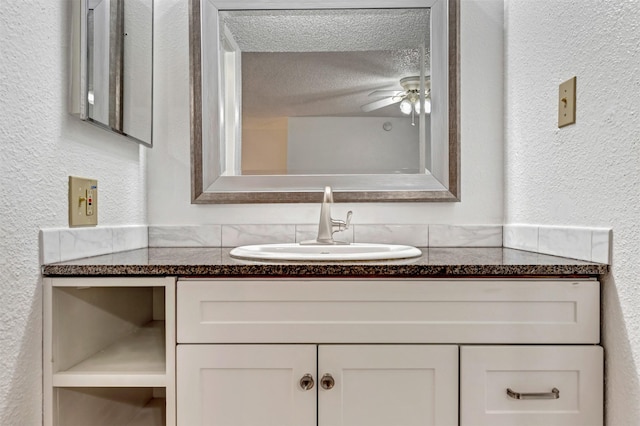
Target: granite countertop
[434,262]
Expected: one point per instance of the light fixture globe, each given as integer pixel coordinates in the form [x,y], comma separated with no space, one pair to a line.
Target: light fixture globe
[406,106]
[427,106]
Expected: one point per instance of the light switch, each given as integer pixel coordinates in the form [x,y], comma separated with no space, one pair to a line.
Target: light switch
[83,201]
[567,103]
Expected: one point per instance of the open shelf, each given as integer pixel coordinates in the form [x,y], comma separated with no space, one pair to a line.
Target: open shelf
[115,406]
[151,414]
[109,351]
[137,359]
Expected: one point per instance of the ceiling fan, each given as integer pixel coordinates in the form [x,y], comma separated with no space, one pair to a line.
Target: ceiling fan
[409,98]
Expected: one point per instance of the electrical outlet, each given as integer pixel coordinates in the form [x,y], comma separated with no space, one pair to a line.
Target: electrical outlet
[83,201]
[567,103]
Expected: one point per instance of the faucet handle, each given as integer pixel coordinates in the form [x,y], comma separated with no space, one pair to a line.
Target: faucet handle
[341,225]
[348,220]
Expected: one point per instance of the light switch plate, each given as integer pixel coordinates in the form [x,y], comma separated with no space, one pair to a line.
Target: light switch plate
[567,103]
[83,202]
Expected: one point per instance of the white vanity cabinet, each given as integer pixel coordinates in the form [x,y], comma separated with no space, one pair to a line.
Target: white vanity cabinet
[383,385]
[326,385]
[109,351]
[531,385]
[395,351]
[246,385]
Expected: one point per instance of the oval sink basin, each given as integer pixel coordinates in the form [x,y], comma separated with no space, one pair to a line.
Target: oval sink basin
[295,251]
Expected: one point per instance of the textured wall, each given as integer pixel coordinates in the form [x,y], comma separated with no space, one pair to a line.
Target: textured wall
[40,145]
[586,174]
[482,133]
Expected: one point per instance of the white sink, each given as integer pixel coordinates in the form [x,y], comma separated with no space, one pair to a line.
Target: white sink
[295,251]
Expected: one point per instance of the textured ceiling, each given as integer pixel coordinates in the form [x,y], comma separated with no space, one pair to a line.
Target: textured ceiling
[326,62]
[328,30]
[323,83]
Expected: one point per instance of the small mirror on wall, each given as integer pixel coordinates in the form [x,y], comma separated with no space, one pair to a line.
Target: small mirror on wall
[112,66]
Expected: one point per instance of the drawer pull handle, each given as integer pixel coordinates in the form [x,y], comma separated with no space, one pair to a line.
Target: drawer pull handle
[306,382]
[554,394]
[327,381]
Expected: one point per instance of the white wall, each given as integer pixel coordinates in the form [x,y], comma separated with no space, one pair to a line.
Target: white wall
[40,146]
[589,173]
[482,134]
[340,145]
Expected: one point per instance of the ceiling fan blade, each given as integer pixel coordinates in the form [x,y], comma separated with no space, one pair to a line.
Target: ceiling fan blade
[385,93]
[380,104]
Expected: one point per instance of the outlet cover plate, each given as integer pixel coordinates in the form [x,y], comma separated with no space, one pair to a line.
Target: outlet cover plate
[83,202]
[567,103]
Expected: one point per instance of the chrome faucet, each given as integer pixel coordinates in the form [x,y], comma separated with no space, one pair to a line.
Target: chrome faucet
[328,226]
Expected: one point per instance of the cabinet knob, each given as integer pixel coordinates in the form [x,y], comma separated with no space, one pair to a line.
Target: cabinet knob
[327,381]
[306,382]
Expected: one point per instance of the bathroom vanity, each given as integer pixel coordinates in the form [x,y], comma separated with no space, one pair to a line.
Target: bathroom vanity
[459,336]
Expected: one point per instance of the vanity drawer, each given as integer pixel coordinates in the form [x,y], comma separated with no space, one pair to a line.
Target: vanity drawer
[388,311]
[551,385]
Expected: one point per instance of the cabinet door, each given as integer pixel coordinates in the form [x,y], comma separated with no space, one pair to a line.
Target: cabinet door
[245,385]
[384,385]
[531,385]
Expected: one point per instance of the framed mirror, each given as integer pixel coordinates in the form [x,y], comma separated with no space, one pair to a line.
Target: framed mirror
[112,66]
[288,97]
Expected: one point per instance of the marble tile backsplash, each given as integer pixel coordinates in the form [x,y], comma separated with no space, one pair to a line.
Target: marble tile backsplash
[49,246]
[239,235]
[521,237]
[601,239]
[417,235]
[61,244]
[185,236]
[591,244]
[414,235]
[129,237]
[465,235]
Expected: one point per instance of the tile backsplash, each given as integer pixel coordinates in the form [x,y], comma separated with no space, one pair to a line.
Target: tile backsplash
[416,235]
[465,236]
[62,244]
[592,244]
[185,236]
[240,235]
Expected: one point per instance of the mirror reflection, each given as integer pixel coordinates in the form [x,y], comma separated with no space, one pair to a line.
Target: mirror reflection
[326,91]
[113,76]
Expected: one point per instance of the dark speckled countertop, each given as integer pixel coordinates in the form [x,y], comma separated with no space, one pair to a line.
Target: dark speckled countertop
[434,262]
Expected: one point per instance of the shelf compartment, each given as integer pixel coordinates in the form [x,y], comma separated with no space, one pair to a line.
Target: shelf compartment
[137,359]
[109,351]
[151,414]
[109,406]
